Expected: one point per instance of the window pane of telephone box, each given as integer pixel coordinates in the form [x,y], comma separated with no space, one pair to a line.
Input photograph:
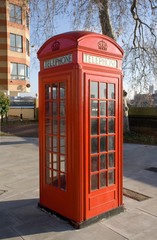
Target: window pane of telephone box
[62,90]
[48,109]
[111,177]
[103,179]
[111,108]
[102,108]
[94,108]
[111,143]
[111,125]
[63,181]
[94,145]
[55,179]
[102,125]
[62,127]
[48,126]
[94,163]
[54,91]
[94,181]
[111,159]
[102,90]
[103,161]
[55,126]
[48,92]
[94,126]
[103,144]
[94,89]
[111,91]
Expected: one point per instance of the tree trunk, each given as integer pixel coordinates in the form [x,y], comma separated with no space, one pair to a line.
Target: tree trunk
[105,19]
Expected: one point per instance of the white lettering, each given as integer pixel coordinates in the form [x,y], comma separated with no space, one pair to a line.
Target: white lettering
[54,62]
[106,62]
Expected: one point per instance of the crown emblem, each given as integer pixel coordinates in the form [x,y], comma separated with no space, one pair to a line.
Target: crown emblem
[55,46]
[102,45]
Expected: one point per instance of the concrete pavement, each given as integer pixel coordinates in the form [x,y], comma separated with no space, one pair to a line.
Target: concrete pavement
[20,218]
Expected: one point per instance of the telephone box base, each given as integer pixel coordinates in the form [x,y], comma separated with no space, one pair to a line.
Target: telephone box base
[79,225]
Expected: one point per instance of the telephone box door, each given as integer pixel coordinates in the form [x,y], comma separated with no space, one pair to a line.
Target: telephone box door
[102,144]
[55,180]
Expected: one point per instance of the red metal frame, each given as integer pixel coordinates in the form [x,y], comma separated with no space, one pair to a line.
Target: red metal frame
[78,58]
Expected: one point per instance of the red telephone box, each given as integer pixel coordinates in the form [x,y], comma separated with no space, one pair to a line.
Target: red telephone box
[80,126]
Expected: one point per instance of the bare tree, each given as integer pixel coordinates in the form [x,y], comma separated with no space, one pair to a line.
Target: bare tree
[132,23]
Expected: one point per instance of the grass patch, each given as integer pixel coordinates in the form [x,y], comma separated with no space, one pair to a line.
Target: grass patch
[135,137]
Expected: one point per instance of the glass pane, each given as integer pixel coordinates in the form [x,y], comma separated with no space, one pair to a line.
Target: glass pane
[111,111]
[55,178]
[55,165]
[102,108]
[21,69]
[94,145]
[62,158]
[62,145]
[94,108]
[12,40]
[62,109]
[55,126]
[102,144]
[94,89]
[63,181]
[102,125]
[48,126]
[55,157]
[12,10]
[103,179]
[18,41]
[62,166]
[18,14]
[111,177]
[111,91]
[47,92]
[48,160]
[94,126]
[54,91]
[48,142]
[103,161]
[111,125]
[94,163]
[62,127]
[111,145]
[55,144]
[111,160]
[48,176]
[55,109]
[94,182]
[48,108]
[13,69]
[62,90]
[102,90]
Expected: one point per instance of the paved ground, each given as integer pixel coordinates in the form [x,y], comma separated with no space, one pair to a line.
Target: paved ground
[19,192]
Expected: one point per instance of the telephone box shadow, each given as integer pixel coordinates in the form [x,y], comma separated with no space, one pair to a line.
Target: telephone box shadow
[23,218]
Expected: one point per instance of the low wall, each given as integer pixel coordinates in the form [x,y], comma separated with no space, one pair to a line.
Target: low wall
[143,117]
[27,113]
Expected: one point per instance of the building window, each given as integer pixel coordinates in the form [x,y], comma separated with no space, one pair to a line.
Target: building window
[27,20]
[16,43]
[15,14]
[27,47]
[19,71]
